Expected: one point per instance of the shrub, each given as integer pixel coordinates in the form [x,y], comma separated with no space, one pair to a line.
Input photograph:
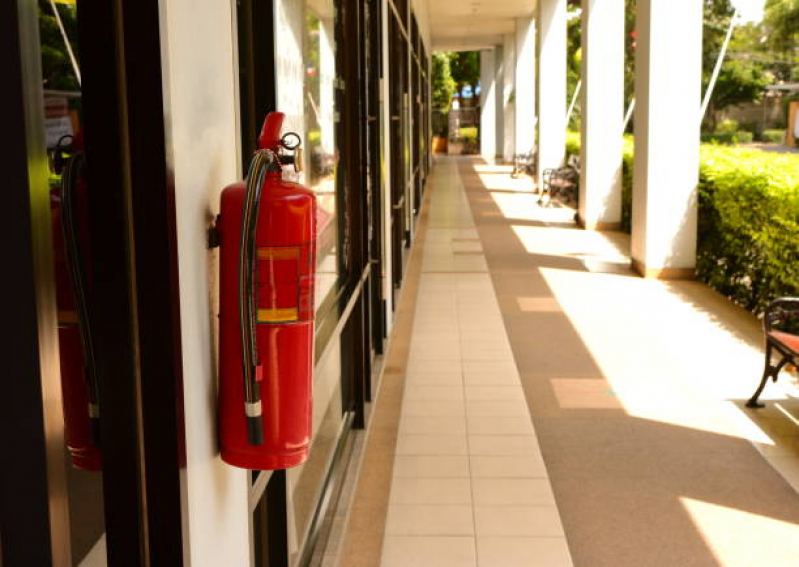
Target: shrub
[773,136]
[728,126]
[737,137]
[468,134]
[748,239]
[748,234]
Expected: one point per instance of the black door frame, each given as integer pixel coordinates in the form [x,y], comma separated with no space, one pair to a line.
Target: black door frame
[134,297]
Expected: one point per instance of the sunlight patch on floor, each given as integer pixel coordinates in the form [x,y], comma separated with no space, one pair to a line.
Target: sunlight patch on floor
[741,538]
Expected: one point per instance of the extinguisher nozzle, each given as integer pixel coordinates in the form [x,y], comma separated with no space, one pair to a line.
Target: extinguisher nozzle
[255,430]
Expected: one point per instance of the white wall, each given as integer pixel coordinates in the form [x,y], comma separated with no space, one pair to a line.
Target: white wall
[385,149]
[525,85]
[488,104]
[602,71]
[551,23]
[201,107]
[668,98]
[508,95]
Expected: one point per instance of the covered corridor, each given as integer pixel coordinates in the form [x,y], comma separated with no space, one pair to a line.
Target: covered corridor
[542,405]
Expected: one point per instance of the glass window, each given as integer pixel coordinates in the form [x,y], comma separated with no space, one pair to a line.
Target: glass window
[320,142]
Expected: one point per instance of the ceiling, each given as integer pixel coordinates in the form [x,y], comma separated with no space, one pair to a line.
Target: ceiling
[463,25]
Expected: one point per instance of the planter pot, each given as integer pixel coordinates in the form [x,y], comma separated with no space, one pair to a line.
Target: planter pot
[439,145]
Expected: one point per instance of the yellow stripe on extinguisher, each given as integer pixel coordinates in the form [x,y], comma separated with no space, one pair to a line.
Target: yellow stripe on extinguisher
[278,315]
[67,317]
[278,253]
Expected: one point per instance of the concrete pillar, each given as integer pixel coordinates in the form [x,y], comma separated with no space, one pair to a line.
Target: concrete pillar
[551,77]
[499,106]
[668,96]
[602,113]
[508,95]
[488,104]
[525,86]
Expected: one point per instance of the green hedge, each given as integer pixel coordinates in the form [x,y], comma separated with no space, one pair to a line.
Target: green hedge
[773,136]
[738,137]
[748,241]
[748,237]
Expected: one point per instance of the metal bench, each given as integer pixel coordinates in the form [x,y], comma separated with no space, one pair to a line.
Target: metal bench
[524,163]
[781,312]
[562,182]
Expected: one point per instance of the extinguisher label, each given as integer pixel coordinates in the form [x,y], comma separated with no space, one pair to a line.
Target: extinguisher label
[277,278]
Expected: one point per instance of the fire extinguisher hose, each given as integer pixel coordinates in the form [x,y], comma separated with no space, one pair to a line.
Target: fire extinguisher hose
[77,274]
[260,164]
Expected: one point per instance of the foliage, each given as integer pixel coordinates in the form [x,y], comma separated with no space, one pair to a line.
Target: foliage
[57,69]
[748,224]
[735,137]
[748,235]
[468,133]
[773,136]
[738,82]
[465,69]
[443,85]
[573,63]
[781,23]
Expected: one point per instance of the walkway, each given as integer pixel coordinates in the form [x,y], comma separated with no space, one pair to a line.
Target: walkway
[545,391]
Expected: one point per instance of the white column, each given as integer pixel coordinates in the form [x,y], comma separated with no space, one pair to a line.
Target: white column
[602,113]
[499,106]
[508,94]
[488,104]
[551,77]
[668,96]
[525,85]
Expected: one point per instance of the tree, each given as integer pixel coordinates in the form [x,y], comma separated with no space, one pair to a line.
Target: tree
[443,85]
[465,68]
[57,72]
[739,82]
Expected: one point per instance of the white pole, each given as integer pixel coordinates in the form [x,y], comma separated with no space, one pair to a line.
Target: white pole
[628,115]
[573,102]
[717,69]
[66,42]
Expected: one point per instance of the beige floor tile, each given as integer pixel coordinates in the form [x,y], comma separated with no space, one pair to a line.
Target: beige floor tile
[433,366]
[494,393]
[542,521]
[433,393]
[484,466]
[429,520]
[504,445]
[433,408]
[417,425]
[408,551]
[510,491]
[449,378]
[495,371]
[435,466]
[431,491]
[432,445]
[523,552]
[499,425]
[516,408]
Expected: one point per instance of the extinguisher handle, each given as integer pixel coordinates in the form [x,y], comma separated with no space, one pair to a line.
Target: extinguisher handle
[269,139]
[77,271]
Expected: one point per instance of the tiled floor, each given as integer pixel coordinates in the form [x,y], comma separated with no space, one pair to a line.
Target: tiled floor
[469,486]
[547,407]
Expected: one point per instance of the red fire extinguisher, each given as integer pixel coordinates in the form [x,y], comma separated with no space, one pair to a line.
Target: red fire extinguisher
[79,383]
[267,234]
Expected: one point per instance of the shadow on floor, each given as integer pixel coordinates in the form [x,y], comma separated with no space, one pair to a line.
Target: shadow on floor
[631,490]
